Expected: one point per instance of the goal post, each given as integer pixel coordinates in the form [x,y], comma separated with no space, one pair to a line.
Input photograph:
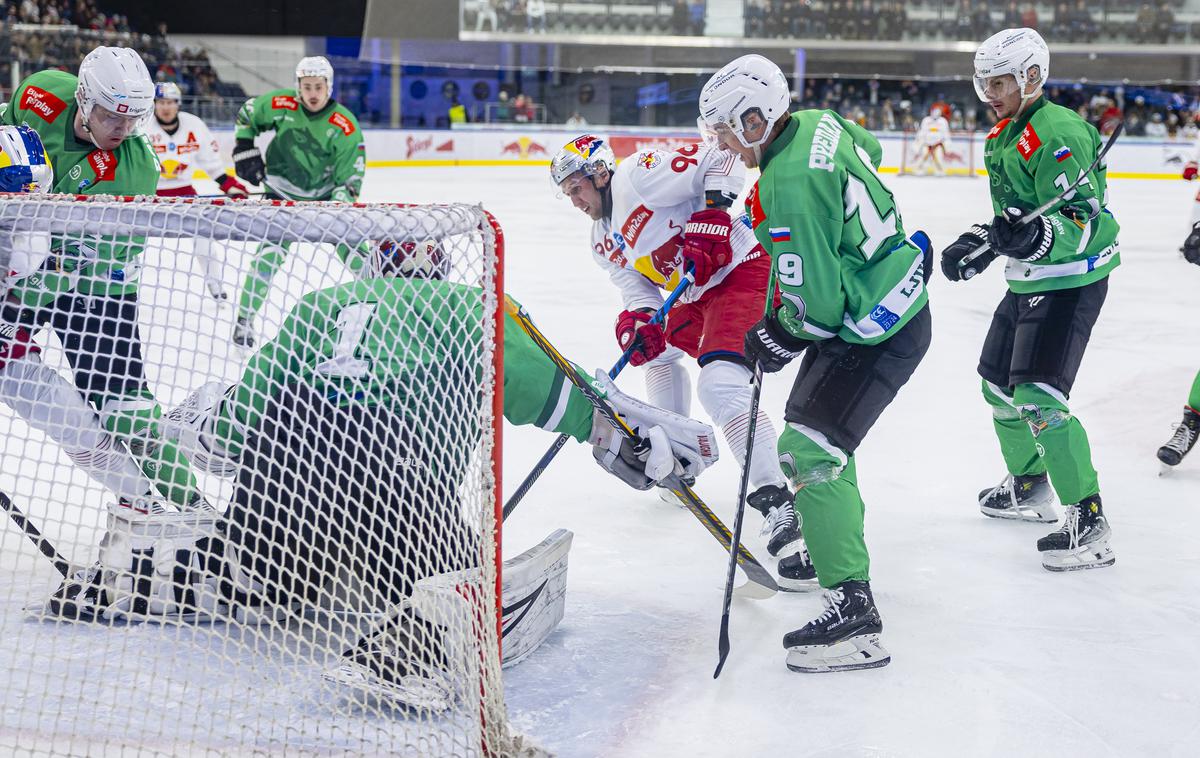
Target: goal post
[958,156]
[352,453]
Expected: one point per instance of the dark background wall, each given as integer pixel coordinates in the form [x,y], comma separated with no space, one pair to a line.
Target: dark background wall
[342,18]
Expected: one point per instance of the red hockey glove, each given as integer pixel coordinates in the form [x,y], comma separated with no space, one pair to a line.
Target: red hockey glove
[706,243]
[1189,171]
[15,342]
[232,187]
[633,325]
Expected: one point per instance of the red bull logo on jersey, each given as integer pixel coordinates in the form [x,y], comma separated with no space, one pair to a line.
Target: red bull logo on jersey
[635,224]
[45,104]
[1028,142]
[648,161]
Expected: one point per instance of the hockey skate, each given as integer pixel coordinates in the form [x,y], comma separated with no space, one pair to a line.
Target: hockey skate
[1082,540]
[216,290]
[843,638]
[1023,498]
[243,334]
[1181,442]
[774,502]
[404,663]
[79,598]
[796,573]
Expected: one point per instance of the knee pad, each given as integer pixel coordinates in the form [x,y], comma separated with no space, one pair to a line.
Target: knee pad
[724,390]
[807,457]
[1041,406]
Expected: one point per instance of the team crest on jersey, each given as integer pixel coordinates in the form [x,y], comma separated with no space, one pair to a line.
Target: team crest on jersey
[341,122]
[635,224]
[104,163]
[1028,142]
[648,161]
[46,104]
[999,127]
[284,102]
[754,208]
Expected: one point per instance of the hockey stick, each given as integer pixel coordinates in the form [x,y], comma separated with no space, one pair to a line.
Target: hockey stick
[1038,212]
[743,486]
[761,584]
[37,538]
[558,443]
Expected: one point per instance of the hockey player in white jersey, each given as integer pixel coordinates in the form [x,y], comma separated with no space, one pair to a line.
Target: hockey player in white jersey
[657,213]
[184,143]
[933,140]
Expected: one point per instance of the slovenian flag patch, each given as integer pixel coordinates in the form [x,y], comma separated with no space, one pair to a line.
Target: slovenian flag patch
[780,233]
[1062,153]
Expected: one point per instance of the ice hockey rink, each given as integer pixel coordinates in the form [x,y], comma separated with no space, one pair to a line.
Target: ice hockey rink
[992,655]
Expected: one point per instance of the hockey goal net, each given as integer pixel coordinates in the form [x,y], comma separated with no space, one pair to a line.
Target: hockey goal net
[957,156]
[342,596]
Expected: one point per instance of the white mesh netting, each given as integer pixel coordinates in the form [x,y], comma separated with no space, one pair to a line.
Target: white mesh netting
[316,570]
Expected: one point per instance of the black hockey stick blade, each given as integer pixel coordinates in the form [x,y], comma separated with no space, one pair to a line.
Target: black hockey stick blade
[39,541]
[1039,211]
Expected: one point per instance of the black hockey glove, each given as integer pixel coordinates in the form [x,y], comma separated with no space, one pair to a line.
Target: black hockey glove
[771,347]
[967,243]
[1191,246]
[1025,242]
[248,162]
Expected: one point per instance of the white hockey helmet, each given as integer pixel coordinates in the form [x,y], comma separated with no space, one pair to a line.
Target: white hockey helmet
[116,79]
[586,153]
[1019,52]
[750,84]
[168,91]
[315,65]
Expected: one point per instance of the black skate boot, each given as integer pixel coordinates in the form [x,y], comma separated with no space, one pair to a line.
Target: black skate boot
[1024,498]
[1183,440]
[1082,540]
[843,638]
[404,662]
[79,598]
[774,502]
[243,334]
[796,573]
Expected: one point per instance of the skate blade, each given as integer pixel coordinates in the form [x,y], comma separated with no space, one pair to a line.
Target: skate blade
[1021,514]
[797,585]
[1165,469]
[670,498]
[753,591]
[1092,556]
[413,691]
[862,651]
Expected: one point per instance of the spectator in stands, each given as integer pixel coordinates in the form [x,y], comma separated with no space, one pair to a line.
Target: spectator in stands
[755,19]
[981,21]
[1012,15]
[814,16]
[1163,21]
[523,110]
[963,21]
[1060,23]
[575,121]
[503,111]
[1083,22]
[1145,21]
[680,18]
[1029,17]
[487,12]
[696,13]
[535,16]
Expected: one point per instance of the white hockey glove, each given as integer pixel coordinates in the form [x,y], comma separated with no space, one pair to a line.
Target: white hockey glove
[676,444]
[190,426]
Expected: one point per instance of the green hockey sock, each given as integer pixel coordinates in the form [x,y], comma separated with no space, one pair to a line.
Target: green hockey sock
[1194,397]
[134,421]
[1016,443]
[1060,440]
[267,261]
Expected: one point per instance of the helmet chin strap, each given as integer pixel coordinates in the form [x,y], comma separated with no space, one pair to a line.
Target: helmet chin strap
[606,203]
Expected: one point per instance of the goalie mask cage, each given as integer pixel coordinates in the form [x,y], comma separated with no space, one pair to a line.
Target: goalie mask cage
[407,530]
[958,155]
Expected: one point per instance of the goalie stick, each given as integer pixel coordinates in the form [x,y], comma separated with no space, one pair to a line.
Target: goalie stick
[44,546]
[761,585]
[558,443]
[1038,212]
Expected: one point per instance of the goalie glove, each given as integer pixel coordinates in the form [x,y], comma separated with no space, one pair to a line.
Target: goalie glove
[190,426]
[671,444]
[248,162]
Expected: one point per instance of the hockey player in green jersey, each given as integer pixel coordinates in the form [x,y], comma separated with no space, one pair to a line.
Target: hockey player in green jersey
[1057,271]
[86,289]
[851,299]
[1188,430]
[317,153]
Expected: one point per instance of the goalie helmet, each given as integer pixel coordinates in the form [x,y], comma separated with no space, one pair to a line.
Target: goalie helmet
[586,154]
[1019,52]
[416,259]
[24,166]
[116,79]
[748,85]
[168,91]
[315,65]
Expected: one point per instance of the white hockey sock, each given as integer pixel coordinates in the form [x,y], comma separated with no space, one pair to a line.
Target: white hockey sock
[724,390]
[668,386]
[48,402]
[209,264]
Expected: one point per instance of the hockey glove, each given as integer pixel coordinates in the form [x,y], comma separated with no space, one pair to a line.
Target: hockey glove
[190,425]
[232,188]
[248,162]
[16,341]
[706,243]
[1191,246]
[1025,242]
[1189,172]
[960,248]
[670,443]
[635,325]
[772,348]
[342,195]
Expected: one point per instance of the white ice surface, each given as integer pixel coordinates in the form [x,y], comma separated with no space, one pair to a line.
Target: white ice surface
[992,655]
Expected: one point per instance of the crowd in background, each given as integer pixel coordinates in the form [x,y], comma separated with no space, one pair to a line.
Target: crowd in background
[838,19]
